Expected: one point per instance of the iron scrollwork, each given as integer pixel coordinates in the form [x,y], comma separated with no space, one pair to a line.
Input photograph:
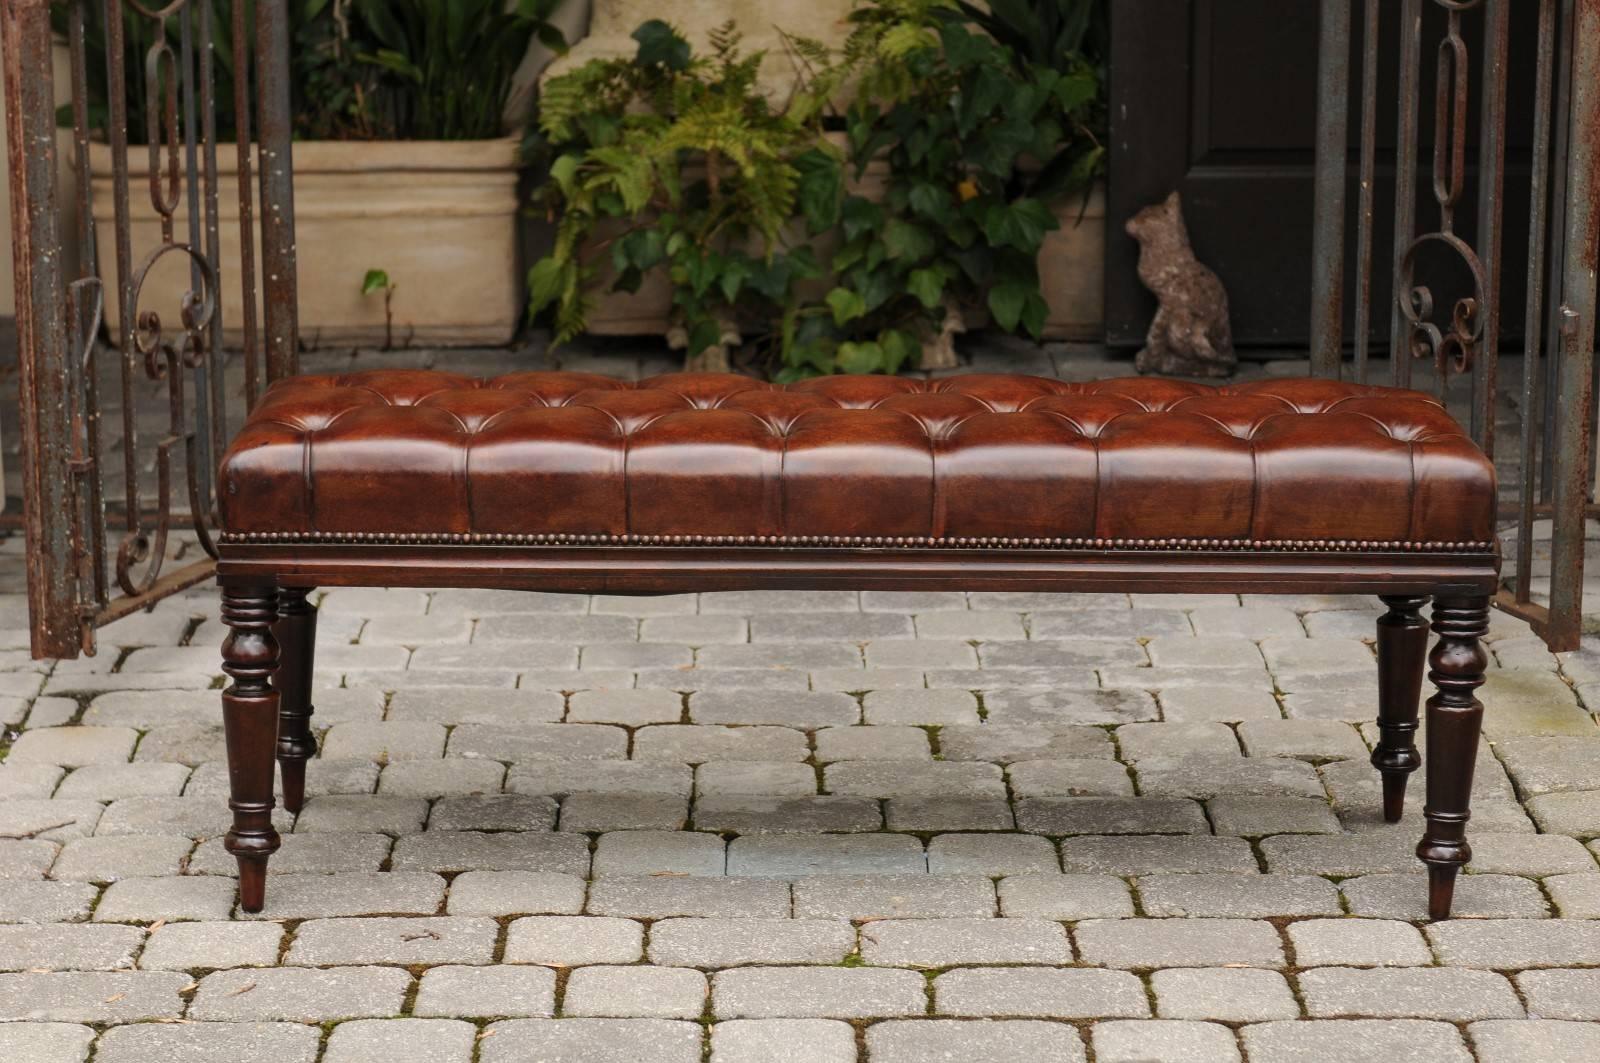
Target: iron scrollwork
[175,72]
[1452,345]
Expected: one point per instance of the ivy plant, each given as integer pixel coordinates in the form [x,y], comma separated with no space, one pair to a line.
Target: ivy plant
[676,162]
[959,121]
[673,161]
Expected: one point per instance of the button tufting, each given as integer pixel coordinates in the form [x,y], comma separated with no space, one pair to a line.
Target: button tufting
[898,461]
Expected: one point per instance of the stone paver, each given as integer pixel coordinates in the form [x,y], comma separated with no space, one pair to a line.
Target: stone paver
[831,827]
[1062,993]
[1129,1041]
[1453,995]
[816,992]
[739,942]
[1228,994]
[423,1040]
[639,991]
[1359,1041]
[572,940]
[202,1042]
[591,1041]
[496,992]
[300,994]
[980,1041]
[800,1040]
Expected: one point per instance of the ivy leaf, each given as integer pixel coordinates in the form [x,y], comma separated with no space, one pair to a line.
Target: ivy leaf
[704,335]
[661,45]
[927,285]
[1021,224]
[642,249]
[877,287]
[1034,314]
[734,274]
[860,216]
[962,47]
[930,200]
[821,189]
[903,240]
[1007,302]
[846,305]
[899,347]
[860,357]
[1076,90]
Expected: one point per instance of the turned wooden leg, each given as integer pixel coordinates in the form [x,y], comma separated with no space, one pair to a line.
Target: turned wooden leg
[296,632]
[1402,653]
[1455,716]
[250,720]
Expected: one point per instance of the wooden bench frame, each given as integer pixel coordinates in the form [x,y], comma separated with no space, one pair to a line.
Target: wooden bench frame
[266,579]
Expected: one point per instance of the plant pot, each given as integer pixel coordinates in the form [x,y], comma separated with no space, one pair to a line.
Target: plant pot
[1072,269]
[440,218]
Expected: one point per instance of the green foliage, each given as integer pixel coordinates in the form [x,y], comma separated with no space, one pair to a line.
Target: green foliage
[1073,38]
[674,161]
[359,69]
[956,119]
[375,281]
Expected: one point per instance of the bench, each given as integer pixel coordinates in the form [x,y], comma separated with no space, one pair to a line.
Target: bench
[579,483]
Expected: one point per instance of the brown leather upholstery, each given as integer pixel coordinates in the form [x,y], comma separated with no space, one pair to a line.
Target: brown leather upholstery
[409,453]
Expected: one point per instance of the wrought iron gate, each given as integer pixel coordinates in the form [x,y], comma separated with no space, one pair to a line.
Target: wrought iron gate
[96,553]
[1457,334]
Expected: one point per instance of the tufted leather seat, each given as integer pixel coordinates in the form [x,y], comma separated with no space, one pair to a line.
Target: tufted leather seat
[849,460]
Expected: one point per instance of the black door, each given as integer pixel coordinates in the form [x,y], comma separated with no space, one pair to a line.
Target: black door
[1218,99]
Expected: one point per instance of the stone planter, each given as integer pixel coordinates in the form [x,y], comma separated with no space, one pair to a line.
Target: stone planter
[439,218]
[1072,269]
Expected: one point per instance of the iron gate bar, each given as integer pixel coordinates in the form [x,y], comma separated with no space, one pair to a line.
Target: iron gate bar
[1371,38]
[1491,190]
[1405,178]
[281,317]
[1557,390]
[1575,430]
[1533,337]
[1332,159]
[71,588]
[41,325]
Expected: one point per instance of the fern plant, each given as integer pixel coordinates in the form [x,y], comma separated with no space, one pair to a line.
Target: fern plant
[675,161]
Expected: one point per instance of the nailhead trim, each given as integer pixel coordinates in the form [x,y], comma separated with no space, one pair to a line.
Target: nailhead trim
[879,542]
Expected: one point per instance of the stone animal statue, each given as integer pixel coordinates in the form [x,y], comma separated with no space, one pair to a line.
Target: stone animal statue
[1190,335]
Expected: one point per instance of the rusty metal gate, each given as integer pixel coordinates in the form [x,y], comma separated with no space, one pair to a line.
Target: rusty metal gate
[96,553]
[1449,339]
[92,329]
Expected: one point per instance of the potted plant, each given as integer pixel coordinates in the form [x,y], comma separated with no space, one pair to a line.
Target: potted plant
[675,170]
[1071,37]
[960,154]
[403,164]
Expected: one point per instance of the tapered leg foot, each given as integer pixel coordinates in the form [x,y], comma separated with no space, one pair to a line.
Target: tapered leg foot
[1394,795]
[1455,718]
[296,632]
[1441,889]
[252,883]
[250,723]
[1402,655]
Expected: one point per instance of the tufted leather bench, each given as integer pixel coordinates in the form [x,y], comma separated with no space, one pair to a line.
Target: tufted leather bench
[582,483]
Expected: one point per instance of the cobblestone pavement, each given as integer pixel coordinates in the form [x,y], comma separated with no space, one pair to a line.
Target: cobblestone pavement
[824,827]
